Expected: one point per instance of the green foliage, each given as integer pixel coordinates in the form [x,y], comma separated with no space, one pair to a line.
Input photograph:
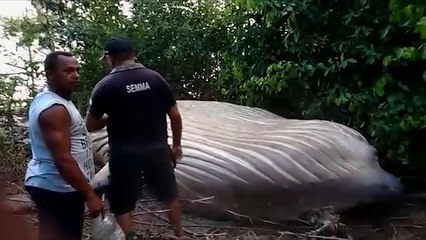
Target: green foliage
[361,63]
[358,62]
[181,40]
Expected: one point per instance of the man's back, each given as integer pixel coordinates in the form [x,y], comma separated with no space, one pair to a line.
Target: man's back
[136,100]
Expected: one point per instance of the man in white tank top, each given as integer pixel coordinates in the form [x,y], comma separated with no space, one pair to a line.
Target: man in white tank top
[61,166]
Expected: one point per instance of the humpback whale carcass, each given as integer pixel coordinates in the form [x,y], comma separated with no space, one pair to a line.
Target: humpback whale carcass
[245,160]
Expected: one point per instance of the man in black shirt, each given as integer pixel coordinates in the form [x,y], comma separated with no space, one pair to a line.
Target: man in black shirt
[133,102]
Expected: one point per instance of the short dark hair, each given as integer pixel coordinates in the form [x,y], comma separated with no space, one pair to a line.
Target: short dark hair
[51,60]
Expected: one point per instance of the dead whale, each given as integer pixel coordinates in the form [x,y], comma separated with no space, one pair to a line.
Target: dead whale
[241,160]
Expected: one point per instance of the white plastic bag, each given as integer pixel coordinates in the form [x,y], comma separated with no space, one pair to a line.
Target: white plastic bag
[106,229]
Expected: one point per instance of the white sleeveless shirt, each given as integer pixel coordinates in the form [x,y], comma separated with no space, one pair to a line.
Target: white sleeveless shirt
[41,170]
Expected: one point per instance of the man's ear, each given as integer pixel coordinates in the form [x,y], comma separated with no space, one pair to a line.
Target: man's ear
[48,74]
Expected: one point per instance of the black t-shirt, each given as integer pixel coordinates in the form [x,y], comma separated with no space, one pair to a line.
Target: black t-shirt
[136,100]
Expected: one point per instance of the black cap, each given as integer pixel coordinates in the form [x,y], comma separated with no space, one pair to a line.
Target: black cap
[117,45]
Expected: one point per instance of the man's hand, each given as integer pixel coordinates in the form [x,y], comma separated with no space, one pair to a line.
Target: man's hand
[176,124]
[177,153]
[94,123]
[95,207]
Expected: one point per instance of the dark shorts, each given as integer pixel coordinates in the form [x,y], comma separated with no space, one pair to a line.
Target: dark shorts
[131,168]
[60,215]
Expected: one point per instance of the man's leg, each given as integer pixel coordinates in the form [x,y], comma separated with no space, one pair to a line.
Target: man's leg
[175,216]
[124,188]
[60,215]
[125,222]
[160,176]
[71,217]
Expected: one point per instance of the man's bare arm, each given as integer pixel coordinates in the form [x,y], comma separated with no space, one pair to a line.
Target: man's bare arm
[176,125]
[55,127]
[95,123]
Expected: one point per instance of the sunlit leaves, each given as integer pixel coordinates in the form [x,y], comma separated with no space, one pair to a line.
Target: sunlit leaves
[365,59]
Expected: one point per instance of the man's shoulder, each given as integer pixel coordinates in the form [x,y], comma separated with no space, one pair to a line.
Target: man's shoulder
[45,99]
[47,106]
[147,72]
[104,81]
[150,71]
[155,76]
[102,84]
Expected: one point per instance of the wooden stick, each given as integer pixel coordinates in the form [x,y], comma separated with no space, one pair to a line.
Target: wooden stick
[149,212]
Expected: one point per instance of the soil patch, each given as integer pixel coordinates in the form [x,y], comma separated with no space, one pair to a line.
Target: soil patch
[399,220]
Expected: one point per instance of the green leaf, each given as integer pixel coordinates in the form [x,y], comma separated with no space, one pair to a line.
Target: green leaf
[403,87]
[379,86]
[237,72]
[418,101]
[351,60]
[223,91]
[399,52]
[387,61]
[421,28]
[384,32]
[352,107]
[394,98]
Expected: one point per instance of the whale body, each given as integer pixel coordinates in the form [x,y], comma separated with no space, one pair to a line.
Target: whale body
[247,161]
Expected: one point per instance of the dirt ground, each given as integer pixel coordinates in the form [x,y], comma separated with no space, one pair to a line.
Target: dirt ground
[399,220]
